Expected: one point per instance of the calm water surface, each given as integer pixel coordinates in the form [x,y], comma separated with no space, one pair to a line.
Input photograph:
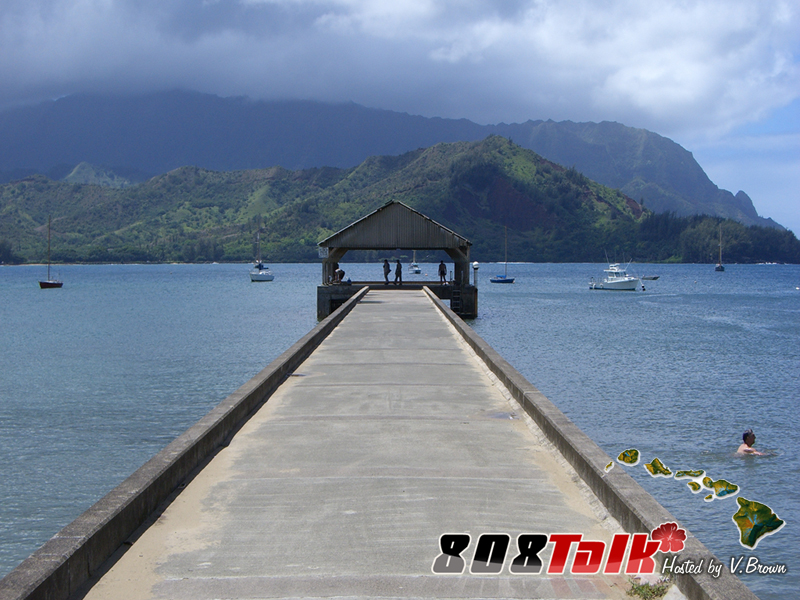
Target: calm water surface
[100,375]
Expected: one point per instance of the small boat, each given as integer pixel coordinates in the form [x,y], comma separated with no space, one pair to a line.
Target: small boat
[616,279]
[501,279]
[414,267]
[720,266]
[259,272]
[504,278]
[49,282]
[650,277]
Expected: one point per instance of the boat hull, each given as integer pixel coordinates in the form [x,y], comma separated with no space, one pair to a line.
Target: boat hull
[620,286]
[502,279]
[45,285]
[261,276]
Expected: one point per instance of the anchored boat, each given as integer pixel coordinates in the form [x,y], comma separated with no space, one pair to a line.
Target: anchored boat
[260,272]
[720,266]
[414,266]
[49,282]
[616,279]
[504,278]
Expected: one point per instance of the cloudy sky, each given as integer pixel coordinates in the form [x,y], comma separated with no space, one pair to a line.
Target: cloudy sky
[720,77]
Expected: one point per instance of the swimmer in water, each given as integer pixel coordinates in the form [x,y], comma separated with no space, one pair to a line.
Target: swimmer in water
[748,439]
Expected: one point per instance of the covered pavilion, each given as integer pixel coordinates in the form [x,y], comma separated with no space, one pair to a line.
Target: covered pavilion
[396,226]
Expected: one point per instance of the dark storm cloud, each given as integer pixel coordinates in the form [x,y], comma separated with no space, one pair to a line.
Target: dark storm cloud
[671,65]
[694,70]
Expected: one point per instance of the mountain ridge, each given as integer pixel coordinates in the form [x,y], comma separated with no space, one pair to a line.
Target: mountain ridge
[190,214]
[156,133]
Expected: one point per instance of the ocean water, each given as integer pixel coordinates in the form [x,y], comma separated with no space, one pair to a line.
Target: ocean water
[100,375]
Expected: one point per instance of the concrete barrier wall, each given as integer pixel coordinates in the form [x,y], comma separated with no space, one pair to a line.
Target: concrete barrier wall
[66,561]
[629,503]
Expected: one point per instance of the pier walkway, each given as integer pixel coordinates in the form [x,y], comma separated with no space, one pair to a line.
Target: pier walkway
[389,435]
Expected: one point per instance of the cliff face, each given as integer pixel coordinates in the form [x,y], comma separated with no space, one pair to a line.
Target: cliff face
[650,168]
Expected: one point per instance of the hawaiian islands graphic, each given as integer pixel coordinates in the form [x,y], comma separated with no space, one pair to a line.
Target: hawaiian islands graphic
[657,469]
[754,520]
[629,457]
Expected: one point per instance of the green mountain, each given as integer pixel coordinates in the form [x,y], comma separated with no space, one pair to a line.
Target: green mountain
[156,133]
[475,188]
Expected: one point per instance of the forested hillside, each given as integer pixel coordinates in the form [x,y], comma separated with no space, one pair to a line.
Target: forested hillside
[190,214]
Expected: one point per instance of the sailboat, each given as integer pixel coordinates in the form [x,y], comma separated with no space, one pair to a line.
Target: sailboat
[504,278]
[259,272]
[49,283]
[414,266]
[719,266]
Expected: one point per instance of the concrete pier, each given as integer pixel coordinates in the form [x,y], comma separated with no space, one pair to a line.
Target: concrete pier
[390,434]
[399,427]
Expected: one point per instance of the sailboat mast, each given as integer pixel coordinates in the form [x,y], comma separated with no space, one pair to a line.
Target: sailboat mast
[506,236]
[48,247]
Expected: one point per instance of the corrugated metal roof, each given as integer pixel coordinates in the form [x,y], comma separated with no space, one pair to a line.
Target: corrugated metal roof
[395,225]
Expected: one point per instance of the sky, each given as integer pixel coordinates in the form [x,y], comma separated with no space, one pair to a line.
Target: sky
[719,77]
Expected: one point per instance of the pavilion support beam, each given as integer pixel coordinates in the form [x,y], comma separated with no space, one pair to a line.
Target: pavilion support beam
[329,264]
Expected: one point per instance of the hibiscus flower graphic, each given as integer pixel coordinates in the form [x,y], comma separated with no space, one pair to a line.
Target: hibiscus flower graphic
[670,535]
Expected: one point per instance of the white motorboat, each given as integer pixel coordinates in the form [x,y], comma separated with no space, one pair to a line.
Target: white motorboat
[259,272]
[616,279]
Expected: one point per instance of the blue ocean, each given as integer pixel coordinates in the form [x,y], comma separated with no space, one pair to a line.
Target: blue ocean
[100,375]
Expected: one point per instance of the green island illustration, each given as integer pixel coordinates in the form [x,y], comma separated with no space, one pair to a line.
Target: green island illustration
[629,457]
[609,466]
[695,475]
[755,520]
[689,474]
[657,469]
[720,487]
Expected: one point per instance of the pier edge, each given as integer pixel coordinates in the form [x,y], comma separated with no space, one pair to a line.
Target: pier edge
[627,501]
[62,564]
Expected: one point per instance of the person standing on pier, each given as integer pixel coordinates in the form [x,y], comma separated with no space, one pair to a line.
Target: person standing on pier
[398,273]
[386,270]
[442,272]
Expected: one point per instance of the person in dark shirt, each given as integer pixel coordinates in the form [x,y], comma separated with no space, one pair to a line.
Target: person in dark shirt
[386,270]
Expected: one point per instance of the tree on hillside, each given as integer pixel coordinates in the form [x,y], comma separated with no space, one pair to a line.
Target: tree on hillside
[7,255]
